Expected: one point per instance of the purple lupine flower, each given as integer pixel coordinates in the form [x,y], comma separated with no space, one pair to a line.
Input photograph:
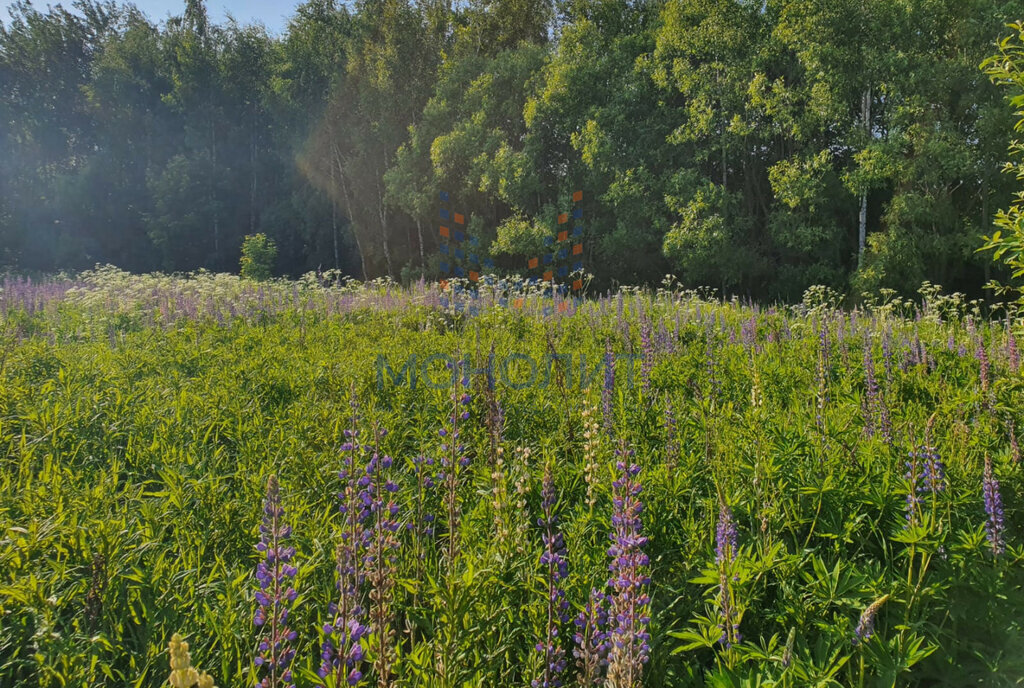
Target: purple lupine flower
[749,332]
[630,640]
[556,569]
[276,594]
[342,651]
[726,550]
[1012,353]
[608,389]
[984,368]
[994,526]
[592,640]
[866,625]
[379,560]
[647,356]
[726,536]
[887,355]
[933,471]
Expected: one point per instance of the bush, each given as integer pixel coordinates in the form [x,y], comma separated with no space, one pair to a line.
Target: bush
[258,255]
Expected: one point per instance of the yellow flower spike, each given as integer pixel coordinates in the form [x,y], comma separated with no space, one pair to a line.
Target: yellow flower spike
[183,674]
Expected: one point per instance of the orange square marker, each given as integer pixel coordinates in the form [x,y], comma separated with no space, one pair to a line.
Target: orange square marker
[562,306]
[445,232]
[577,285]
[460,219]
[577,197]
[444,284]
[562,219]
[563,236]
[474,276]
[518,303]
[549,276]
[577,249]
[534,262]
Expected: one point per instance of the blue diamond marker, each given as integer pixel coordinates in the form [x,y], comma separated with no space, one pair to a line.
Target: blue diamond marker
[459,236]
[563,254]
[563,271]
[488,263]
[473,258]
[444,249]
[444,214]
[444,266]
[459,272]
[577,231]
[548,241]
[474,241]
[578,213]
[577,266]
[444,196]
[460,254]
[547,259]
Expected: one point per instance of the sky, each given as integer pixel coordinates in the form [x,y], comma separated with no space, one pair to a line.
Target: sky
[272,13]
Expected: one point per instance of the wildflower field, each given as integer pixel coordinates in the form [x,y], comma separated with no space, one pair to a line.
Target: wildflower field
[640,489]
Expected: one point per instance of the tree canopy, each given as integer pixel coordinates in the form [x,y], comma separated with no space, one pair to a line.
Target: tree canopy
[758,147]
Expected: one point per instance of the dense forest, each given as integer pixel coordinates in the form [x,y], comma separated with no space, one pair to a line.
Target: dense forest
[758,147]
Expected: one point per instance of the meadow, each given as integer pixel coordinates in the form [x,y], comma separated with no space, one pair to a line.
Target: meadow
[789,496]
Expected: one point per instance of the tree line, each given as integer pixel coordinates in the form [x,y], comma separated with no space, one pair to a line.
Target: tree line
[754,146]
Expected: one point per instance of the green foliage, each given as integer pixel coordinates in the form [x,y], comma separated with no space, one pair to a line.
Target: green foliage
[140,417]
[741,145]
[1007,243]
[258,255]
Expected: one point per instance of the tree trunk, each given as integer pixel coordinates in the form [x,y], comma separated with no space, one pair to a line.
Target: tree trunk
[419,235]
[383,212]
[334,218]
[348,210]
[862,233]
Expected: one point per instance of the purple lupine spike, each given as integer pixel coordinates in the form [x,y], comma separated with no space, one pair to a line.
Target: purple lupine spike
[592,640]
[556,569]
[726,551]
[915,486]
[726,536]
[866,625]
[275,596]
[994,526]
[1013,353]
[647,356]
[342,650]
[887,355]
[608,389]
[933,471]
[630,640]
[379,559]
[749,331]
